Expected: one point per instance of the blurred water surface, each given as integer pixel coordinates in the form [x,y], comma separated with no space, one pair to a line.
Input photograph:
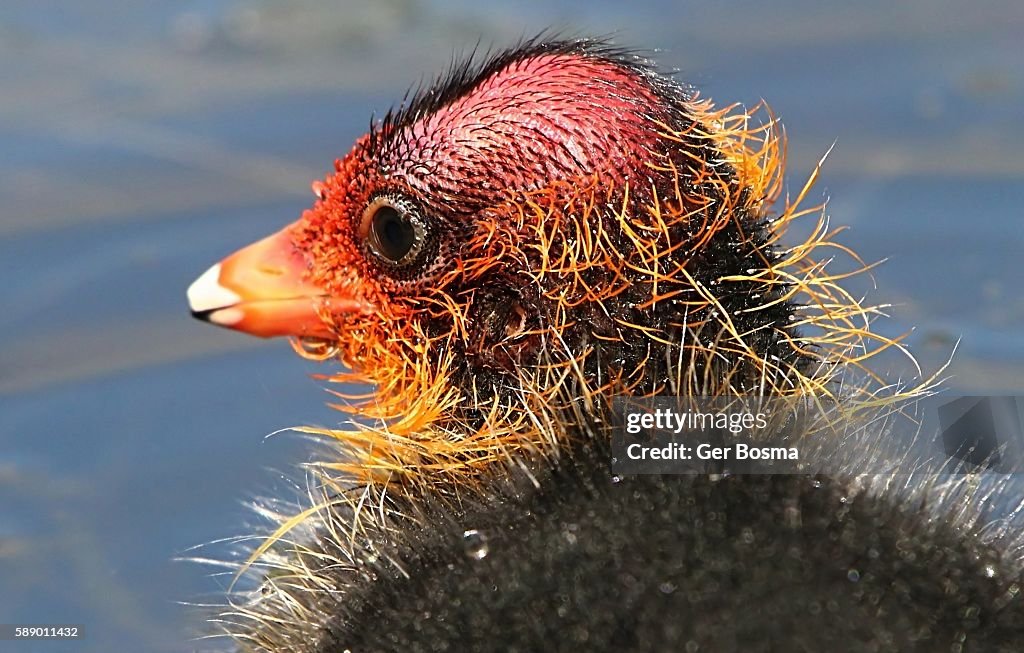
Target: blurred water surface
[139,145]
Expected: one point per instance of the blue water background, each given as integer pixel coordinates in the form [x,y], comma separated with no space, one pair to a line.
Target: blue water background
[140,144]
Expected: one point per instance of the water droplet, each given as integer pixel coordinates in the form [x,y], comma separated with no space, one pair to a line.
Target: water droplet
[475,544]
[747,535]
[853,575]
[315,349]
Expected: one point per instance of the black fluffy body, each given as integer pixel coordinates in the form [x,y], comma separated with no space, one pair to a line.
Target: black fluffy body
[588,562]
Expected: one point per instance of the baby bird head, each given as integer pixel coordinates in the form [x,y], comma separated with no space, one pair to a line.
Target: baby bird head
[528,236]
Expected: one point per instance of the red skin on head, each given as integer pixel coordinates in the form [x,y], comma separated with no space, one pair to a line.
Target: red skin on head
[538,120]
[541,119]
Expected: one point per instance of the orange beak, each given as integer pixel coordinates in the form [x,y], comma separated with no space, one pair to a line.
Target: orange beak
[263,290]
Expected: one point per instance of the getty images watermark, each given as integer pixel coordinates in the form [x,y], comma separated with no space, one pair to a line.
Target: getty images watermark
[814,435]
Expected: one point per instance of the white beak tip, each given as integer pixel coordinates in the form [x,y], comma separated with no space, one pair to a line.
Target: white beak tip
[206,293]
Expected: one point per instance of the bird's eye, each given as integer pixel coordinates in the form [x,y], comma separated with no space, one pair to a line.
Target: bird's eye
[393,232]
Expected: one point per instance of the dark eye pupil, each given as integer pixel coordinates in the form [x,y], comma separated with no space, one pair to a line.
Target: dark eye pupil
[393,233]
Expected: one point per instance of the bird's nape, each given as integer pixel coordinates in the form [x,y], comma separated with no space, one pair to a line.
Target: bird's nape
[520,244]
